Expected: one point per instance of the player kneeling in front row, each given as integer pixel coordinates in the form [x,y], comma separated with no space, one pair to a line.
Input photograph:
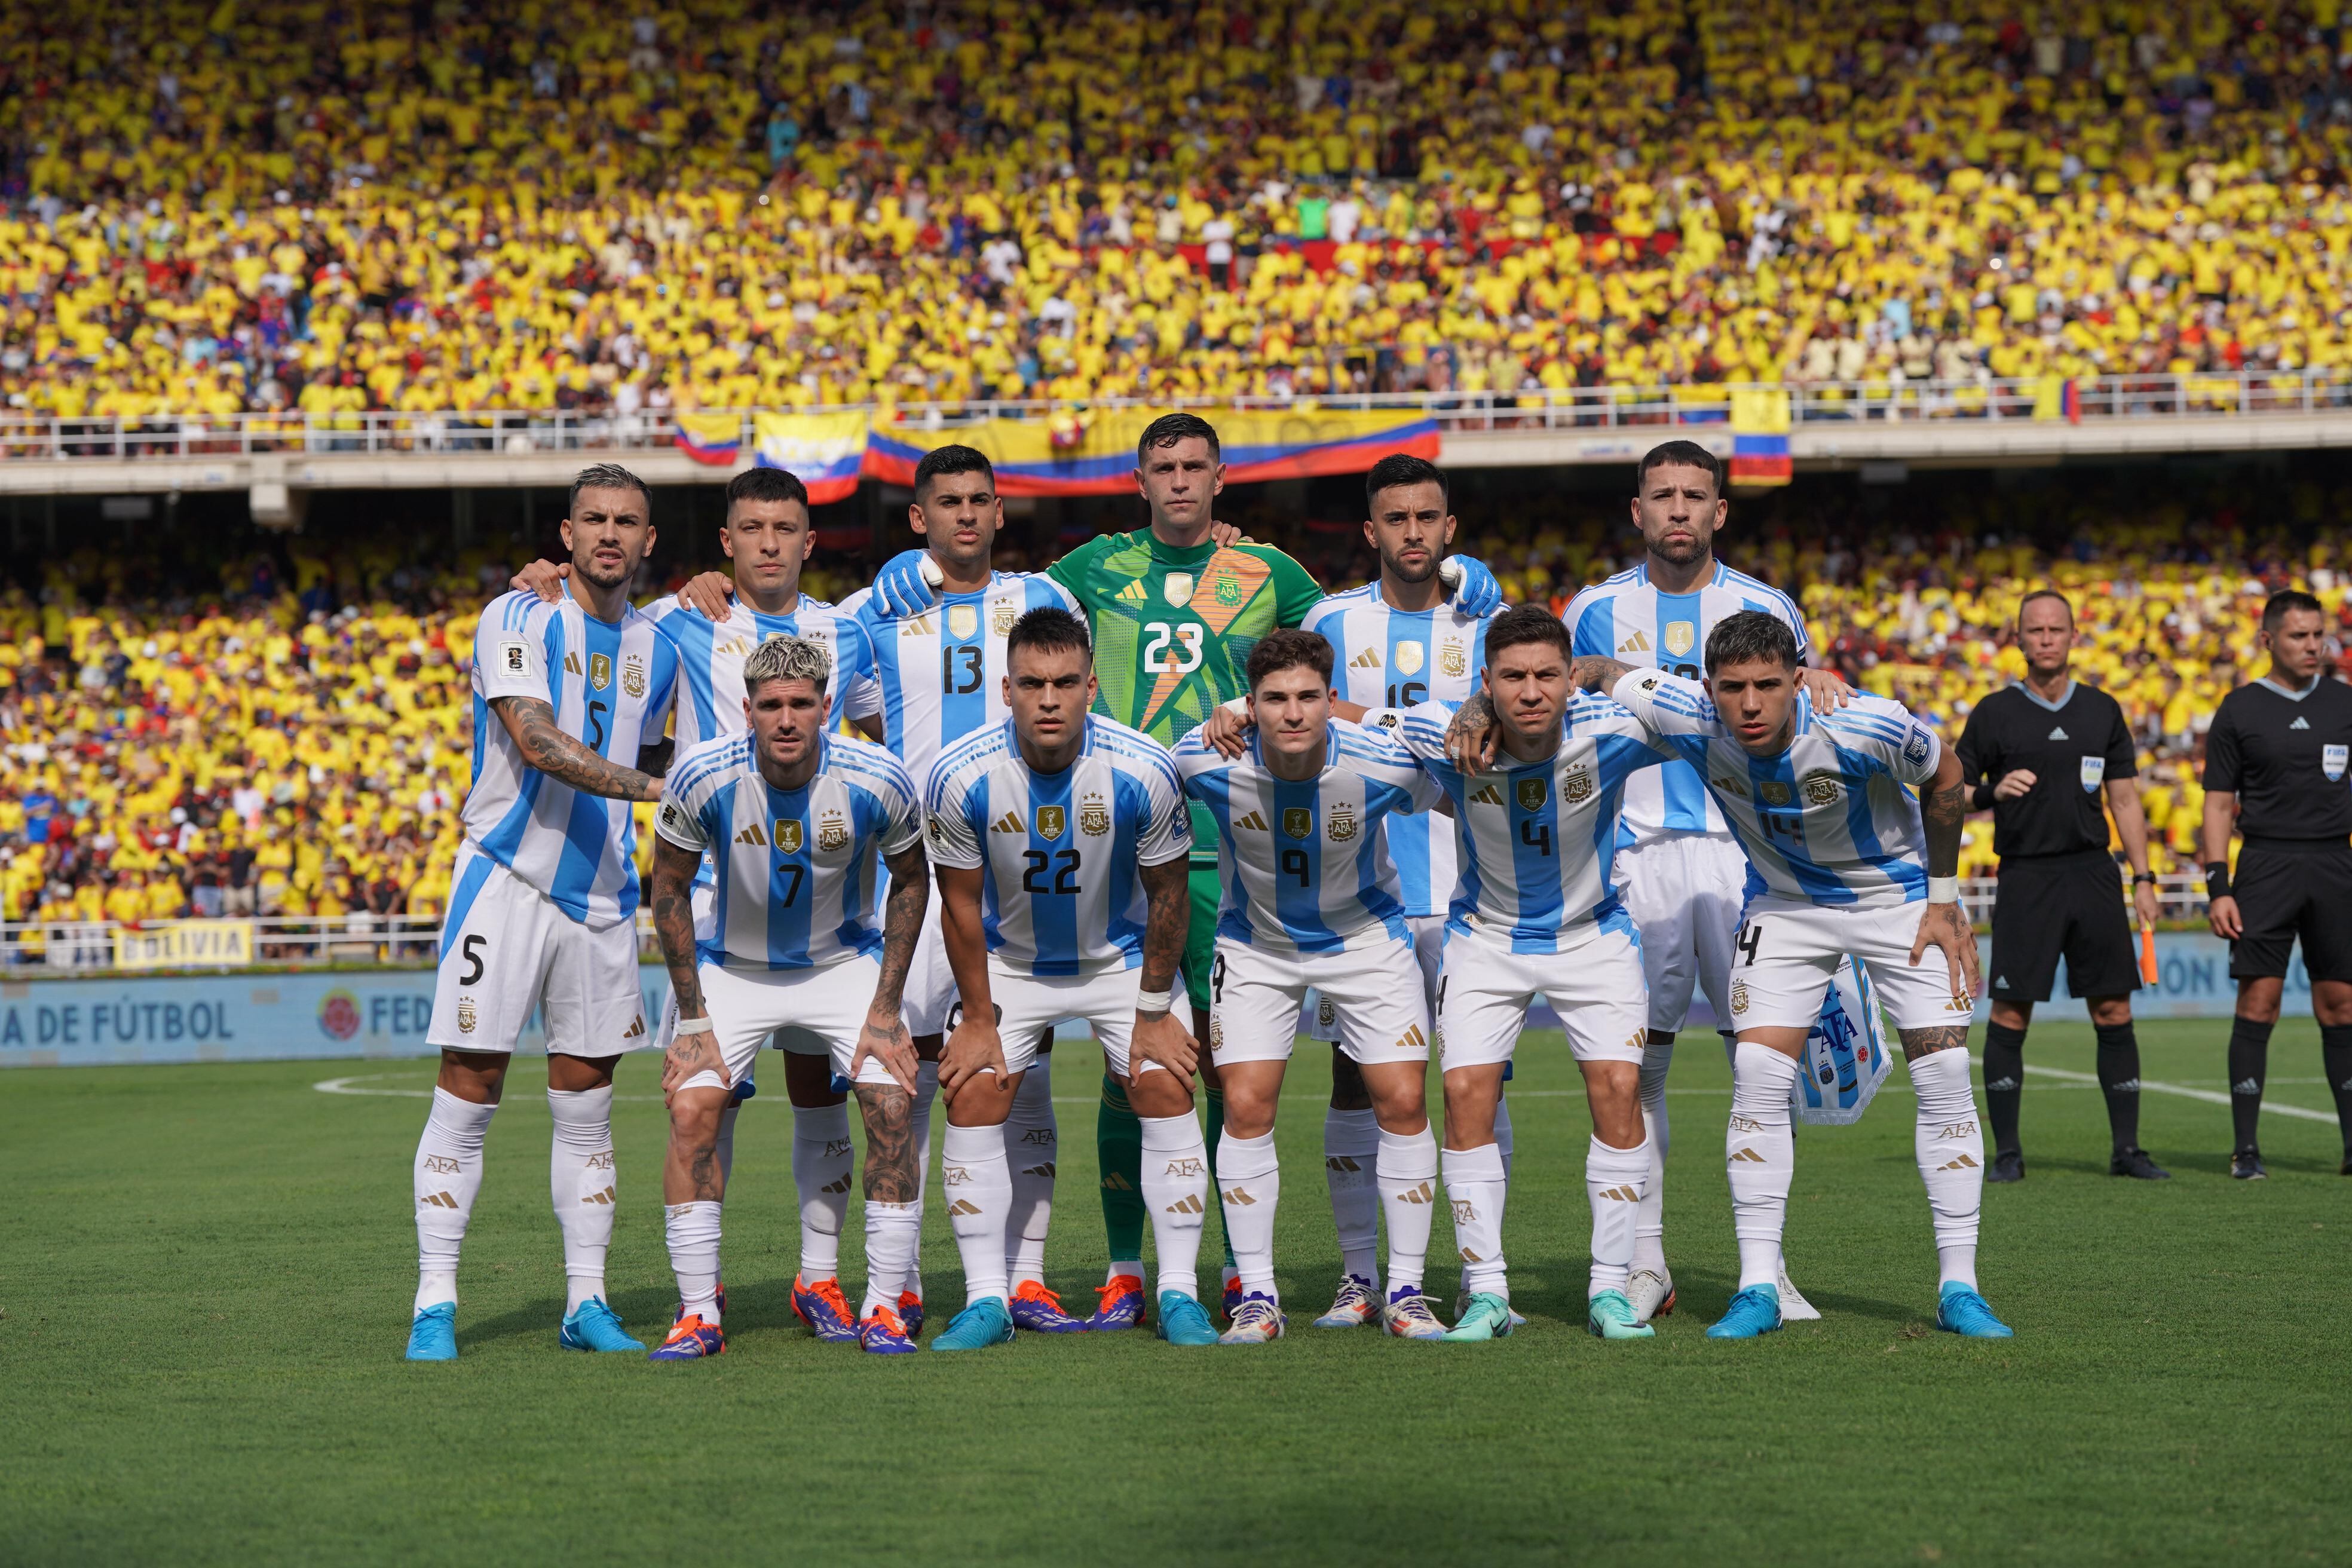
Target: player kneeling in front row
[1846,867]
[791,819]
[1061,839]
[1534,914]
[1310,898]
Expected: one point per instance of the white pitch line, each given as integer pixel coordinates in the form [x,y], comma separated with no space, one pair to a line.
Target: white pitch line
[2210,1096]
[346,1085]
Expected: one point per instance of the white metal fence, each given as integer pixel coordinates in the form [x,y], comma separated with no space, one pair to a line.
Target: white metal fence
[1815,404]
[33,948]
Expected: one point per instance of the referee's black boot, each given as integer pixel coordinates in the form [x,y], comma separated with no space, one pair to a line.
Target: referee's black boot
[2008,1165]
[2246,1164]
[2135,1163]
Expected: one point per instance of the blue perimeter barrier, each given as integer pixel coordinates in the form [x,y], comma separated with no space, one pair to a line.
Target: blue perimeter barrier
[384,1013]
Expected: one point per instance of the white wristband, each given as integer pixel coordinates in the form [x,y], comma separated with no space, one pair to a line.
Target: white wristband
[694,1026]
[1155,1001]
[1236,705]
[1943,889]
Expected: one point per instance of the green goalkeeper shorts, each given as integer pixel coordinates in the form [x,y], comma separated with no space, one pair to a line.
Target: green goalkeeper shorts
[1201,940]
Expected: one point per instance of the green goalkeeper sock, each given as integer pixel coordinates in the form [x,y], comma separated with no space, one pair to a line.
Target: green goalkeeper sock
[1216,1107]
[1118,1146]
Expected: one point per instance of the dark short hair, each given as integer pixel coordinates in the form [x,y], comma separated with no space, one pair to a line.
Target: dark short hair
[941,461]
[2286,602]
[765,485]
[1403,468]
[1667,453]
[607,477]
[1171,428]
[1746,638]
[1049,628]
[1289,649]
[1524,624]
[2045,594]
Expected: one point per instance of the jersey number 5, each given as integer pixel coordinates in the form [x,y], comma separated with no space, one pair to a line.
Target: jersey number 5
[1156,637]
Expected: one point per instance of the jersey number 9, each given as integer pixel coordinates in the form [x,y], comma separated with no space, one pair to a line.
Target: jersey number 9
[1293,864]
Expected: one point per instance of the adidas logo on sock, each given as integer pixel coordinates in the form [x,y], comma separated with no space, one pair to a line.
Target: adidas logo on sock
[2298,724]
[608,1195]
[1368,660]
[1009,822]
[1489,795]
[840,1186]
[2128,1086]
[1188,1204]
[1425,1192]
[439,1200]
[1255,822]
[2000,1083]
[1470,1257]
[1963,1164]
[1045,1171]
[1113,1182]
[751,834]
[1239,1197]
[2245,1086]
[963,1206]
[1340,1162]
[1749,1154]
[1620,1195]
[2059,733]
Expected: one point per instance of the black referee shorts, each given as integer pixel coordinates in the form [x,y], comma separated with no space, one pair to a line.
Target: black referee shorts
[2289,891]
[2051,906]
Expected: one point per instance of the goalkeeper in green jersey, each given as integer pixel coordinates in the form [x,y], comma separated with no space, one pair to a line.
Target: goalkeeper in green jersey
[1173,615]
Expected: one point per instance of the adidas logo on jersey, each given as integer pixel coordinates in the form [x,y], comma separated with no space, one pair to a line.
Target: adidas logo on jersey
[1009,822]
[1368,660]
[751,834]
[1638,643]
[2059,733]
[1134,592]
[1487,795]
[2298,724]
[570,664]
[920,626]
[1255,822]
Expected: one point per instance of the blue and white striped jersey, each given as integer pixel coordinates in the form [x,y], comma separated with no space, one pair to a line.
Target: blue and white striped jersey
[796,870]
[1829,821]
[1304,866]
[1536,840]
[941,672]
[1058,853]
[1627,619]
[711,655]
[611,684]
[1388,657]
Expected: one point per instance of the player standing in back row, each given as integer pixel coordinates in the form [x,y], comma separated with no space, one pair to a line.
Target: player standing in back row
[2275,760]
[569,704]
[2038,755]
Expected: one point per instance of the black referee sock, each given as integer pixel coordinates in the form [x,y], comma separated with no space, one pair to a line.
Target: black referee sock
[2119,1081]
[2004,1083]
[2250,1052]
[2336,1053]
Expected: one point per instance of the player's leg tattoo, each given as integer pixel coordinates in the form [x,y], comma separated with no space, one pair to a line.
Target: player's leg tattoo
[889,1112]
[1917,1043]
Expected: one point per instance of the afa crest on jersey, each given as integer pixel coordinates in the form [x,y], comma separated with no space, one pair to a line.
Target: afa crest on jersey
[1408,658]
[1341,821]
[600,670]
[1577,787]
[1226,590]
[1298,822]
[1681,638]
[1094,816]
[788,836]
[1001,618]
[466,1016]
[1453,658]
[1051,820]
[1533,792]
[633,675]
[1820,789]
[833,833]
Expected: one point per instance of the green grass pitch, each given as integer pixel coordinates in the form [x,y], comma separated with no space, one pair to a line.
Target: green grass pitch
[207,1276]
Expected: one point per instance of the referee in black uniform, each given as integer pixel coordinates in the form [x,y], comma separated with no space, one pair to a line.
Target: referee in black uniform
[2275,759]
[2039,755]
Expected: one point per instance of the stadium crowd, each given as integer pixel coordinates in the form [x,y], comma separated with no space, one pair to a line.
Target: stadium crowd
[209,206]
[293,740]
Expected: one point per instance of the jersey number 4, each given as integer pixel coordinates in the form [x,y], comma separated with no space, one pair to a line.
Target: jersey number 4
[1160,635]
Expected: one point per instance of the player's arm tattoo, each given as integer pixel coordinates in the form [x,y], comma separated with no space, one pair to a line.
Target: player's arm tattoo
[1591,672]
[1167,920]
[1943,804]
[673,903]
[902,921]
[544,745]
[1917,1043]
[889,1114]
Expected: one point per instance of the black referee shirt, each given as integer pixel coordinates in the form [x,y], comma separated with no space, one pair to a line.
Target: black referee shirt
[2071,747]
[2284,757]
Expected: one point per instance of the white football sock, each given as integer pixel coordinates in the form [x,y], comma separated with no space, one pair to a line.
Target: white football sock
[918,1125]
[1176,1193]
[1760,1155]
[1613,1180]
[1502,1127]
[1407,1175]
[1351,1141]
[1650,1225]
[821,1176]
[1249,1182]
[693,1232]
[1473,1183]
[724,1149]
[1949,1141]
[892,1233]
[1030,1137]
[447,1174]
[978,1186]
[581,1180]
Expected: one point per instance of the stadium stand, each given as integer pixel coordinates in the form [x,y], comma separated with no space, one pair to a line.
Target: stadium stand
[316,211]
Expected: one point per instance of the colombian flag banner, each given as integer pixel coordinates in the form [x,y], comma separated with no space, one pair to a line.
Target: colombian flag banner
[1095,457]
[1760,436]
[713,439]
[825,451]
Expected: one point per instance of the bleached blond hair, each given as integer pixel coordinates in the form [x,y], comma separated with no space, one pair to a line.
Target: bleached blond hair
[788,658]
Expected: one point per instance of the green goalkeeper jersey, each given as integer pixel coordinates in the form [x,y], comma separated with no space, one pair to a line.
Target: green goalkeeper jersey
[1173,629]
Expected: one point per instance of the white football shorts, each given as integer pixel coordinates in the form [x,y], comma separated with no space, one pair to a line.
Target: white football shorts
[1684,891]
[509,950]
[1428,944]
[747,1005]
[1594,982]
[1789,952]
[1255,997]
[1027,1005]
